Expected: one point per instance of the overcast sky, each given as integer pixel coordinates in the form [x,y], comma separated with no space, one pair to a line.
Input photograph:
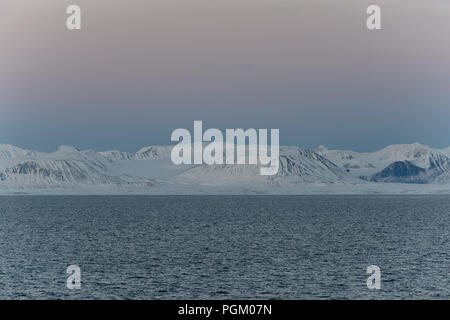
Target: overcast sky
[139,69]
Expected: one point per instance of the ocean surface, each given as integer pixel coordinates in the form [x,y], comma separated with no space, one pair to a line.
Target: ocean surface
[225,247]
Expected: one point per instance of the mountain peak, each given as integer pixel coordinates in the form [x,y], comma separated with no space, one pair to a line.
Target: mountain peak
[8,147]
[407,146]
[320,149]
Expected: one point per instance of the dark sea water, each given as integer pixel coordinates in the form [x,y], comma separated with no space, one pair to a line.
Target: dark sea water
[224,247]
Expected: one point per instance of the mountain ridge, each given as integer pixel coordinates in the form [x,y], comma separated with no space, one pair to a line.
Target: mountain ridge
[149,169]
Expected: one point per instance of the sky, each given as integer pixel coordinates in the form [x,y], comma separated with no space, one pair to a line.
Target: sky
[139,69]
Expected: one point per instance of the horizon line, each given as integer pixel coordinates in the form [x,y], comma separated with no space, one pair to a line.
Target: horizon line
[207,142]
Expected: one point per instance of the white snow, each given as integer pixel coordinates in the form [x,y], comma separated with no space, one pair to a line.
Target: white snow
[150,171]
[367,164]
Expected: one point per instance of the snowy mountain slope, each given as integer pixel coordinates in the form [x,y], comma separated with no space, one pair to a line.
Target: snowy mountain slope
[67,167]
[154,152]
[54,173]
[401,172]
[446,151]
[420,155]
[146,153]
[296,166]
[8,152]
[116,155]
[369,165]
[150,169]
[348,160]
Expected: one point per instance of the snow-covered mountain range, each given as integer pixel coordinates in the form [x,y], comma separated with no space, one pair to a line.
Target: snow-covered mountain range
[408,168]
[407,163]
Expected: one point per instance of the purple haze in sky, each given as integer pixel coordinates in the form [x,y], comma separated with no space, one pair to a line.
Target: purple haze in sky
[140,69]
